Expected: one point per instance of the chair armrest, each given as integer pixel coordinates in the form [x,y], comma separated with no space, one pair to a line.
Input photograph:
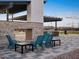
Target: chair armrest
[19,41]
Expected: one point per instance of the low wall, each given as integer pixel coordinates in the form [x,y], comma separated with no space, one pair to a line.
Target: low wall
[37,28]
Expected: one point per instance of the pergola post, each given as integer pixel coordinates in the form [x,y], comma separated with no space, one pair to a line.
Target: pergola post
[7,15]
[12,17]
[55,25]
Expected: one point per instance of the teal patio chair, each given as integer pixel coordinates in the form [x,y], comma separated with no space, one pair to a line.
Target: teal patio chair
[11,41]
[47,39]
[38,41]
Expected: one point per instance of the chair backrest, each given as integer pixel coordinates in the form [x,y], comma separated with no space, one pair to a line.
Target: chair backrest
[39,39]
[50,37]
[10,40]
[46,36]
[11,36]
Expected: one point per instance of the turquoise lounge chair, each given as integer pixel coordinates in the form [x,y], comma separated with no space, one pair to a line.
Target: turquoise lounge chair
[11,41]
[47,39]
[50,39]
[38,41]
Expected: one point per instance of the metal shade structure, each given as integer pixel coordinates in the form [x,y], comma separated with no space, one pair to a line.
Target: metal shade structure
[46,18]
[51,19]
[14,6]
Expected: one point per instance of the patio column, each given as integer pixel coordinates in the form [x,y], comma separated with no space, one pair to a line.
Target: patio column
[35,14]
[35,11]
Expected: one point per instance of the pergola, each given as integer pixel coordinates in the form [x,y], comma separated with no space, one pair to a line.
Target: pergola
[52,19]
[12,7]
[46,19]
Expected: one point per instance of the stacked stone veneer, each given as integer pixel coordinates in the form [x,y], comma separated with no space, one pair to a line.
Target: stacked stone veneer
[37,28]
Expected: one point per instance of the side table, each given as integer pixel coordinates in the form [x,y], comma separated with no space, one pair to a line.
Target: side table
[23,45]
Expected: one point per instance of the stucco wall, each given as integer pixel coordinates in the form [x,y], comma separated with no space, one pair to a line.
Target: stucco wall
[35,11]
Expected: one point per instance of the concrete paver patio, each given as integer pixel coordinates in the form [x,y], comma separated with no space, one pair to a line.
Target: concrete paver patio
[68,43]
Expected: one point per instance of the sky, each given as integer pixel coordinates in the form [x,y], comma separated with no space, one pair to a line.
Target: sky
[66,9]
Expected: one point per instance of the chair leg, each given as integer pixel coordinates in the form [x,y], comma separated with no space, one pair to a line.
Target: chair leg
[46,45]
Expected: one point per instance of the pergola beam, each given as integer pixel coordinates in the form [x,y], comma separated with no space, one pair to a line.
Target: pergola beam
[55,25]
